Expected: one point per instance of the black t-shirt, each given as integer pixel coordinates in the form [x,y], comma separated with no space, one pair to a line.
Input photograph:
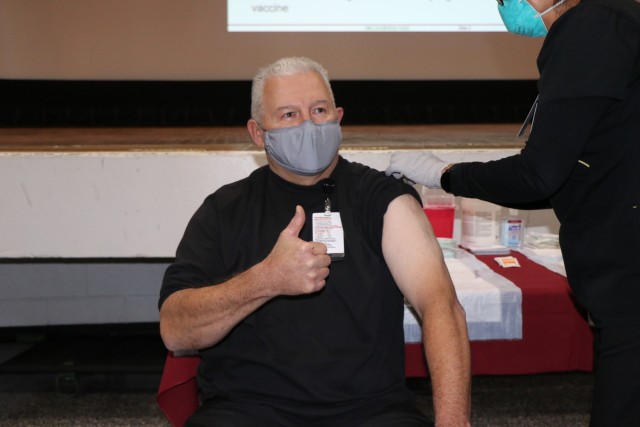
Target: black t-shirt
[320,354]
[583,154]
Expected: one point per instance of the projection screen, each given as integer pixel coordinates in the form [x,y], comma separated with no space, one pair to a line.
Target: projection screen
[220,40]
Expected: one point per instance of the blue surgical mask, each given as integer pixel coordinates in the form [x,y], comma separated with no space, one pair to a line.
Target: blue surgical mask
[307,149]
[521,18]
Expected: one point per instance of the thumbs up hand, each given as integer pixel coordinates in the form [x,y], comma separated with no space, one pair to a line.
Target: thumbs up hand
[294,266]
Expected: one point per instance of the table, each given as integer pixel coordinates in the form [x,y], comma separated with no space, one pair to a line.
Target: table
[556,336]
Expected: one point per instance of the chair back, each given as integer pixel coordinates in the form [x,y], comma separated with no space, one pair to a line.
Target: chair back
[177,394]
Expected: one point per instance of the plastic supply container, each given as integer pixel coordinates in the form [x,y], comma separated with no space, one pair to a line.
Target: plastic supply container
[480,222]
[440,208]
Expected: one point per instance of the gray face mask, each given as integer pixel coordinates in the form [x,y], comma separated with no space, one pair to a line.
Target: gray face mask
[306,149]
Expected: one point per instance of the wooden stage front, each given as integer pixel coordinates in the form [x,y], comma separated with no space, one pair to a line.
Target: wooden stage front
[428,137]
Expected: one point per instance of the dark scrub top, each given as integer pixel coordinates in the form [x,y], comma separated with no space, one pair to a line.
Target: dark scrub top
[583,155]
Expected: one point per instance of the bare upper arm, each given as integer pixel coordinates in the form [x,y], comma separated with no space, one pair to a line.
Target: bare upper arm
[414,256]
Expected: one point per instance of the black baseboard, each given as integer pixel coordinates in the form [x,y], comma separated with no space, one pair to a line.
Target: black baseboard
[58,103]
[84,349]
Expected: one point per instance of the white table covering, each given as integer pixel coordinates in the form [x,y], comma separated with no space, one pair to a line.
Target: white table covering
[493,304]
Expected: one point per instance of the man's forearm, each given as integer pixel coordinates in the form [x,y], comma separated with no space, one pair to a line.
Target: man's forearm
[198,318]
[447,350]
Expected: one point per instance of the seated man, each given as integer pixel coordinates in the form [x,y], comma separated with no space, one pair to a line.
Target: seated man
[296,332]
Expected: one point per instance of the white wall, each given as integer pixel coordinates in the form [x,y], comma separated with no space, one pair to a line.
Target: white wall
[124,205]
[81,233]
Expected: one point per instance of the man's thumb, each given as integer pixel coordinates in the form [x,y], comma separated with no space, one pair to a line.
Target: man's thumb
[296,223]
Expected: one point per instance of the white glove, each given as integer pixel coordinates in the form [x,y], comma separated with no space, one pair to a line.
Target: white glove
[421,167]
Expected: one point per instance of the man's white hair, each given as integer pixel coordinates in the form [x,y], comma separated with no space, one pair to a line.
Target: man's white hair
[289,66]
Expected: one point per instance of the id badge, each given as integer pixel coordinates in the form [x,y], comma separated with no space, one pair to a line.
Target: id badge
[327,229]
[528,121]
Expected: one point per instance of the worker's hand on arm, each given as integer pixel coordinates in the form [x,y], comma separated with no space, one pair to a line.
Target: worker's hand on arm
[197,318]
[421,167]
[416,262]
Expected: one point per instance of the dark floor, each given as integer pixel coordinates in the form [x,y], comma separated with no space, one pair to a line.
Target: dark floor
[107,377]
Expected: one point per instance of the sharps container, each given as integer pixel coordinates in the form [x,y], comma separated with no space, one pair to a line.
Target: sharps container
[440,208]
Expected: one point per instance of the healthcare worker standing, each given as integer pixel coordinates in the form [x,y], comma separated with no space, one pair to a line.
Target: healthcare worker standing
[582,158]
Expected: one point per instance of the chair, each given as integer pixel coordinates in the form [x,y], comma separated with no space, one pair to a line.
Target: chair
[177,394]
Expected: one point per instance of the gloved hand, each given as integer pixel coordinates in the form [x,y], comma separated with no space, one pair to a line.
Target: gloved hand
[421,167]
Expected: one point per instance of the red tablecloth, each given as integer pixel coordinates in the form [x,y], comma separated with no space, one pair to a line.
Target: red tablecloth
[555,337]
[555,333]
